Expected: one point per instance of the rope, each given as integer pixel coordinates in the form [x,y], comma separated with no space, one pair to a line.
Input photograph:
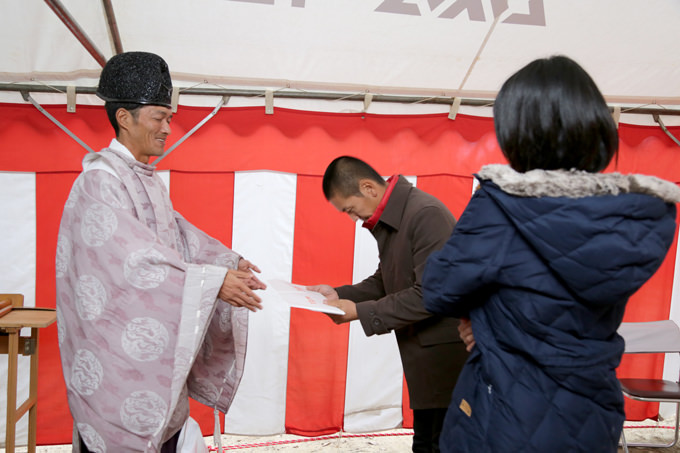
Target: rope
[307,439]
[648,426]
[345,435]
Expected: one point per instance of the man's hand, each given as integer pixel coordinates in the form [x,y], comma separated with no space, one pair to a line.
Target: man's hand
[465,332]
[253,282]
[349,307]
[237,292]
[326,290]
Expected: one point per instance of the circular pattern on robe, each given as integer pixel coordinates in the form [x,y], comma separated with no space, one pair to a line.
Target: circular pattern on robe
[225,320]
[225,260]
[239,318]
[61,327]
[184,358]
[111,194]
[142,269]
[90,297]
[92,439]
[64,251]
[86,372]
[207,304]
[98,224]
[193,242]
[206,389]
[145,339]
[207,346]
[75,194]
[143,412]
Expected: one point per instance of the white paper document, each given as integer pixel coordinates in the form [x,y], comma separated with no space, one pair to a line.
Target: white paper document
[299,297]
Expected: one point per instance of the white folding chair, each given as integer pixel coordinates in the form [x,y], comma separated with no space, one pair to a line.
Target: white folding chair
[651,337]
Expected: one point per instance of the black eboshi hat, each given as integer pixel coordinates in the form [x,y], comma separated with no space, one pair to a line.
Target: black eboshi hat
[136,77]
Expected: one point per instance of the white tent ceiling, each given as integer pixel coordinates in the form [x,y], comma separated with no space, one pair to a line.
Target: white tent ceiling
[428,48]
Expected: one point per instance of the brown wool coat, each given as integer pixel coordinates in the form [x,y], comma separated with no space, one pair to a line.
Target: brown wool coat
[413,225]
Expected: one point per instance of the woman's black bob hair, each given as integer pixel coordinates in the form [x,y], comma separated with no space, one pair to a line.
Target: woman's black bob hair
[550,115]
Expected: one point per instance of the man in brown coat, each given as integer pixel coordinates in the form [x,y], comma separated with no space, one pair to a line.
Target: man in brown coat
[408,225]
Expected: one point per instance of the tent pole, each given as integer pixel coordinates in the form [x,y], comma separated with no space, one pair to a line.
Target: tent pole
[663,128]
[113,26]
[28,98]
[78,32]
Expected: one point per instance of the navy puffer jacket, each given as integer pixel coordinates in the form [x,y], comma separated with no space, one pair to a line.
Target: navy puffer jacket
[543,264]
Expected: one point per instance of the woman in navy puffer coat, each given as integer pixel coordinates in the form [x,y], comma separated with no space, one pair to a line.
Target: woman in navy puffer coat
[543,261]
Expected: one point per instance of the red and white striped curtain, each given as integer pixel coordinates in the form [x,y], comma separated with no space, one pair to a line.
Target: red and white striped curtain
[254,181]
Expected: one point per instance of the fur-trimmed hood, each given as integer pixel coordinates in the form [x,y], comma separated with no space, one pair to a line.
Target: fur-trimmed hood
[576,184]
[600,224]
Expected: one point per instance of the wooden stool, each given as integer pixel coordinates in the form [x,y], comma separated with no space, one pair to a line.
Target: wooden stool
[12,344]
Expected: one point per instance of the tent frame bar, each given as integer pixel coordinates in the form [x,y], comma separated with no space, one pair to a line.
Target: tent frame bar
[28,98]
[672,137]
[77,31]
[318,95]
[113,26]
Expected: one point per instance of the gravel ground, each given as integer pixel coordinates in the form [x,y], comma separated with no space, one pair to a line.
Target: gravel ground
[393,441]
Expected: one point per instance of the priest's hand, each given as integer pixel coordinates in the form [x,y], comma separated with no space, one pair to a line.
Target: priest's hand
[253,282]
[236,292]
[349,307]
[326,290]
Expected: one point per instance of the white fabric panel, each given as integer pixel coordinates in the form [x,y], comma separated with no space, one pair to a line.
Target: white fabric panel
[17,274]
[373,399]
[264,218]
[374,373]
[373,394]
[165,177]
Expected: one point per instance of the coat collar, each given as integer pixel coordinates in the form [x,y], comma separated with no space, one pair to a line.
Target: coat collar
[576,184]
[393,212]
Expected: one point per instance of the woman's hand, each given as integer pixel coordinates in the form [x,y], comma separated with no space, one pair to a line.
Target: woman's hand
[465,332]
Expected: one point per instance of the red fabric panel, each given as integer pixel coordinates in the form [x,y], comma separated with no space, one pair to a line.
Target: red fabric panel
[422,144]
[317,360]
[241,139]
[53,416]
[406,411]
[453,191]
[648,150]
[207,201]
[418,145]
[31,142]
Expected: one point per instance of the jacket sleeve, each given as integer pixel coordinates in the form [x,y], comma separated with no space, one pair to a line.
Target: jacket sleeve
[458,276]
[371,288]
[428,232]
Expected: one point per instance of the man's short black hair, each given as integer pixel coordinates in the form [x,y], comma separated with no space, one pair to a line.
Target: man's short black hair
[342,177]
[551,115]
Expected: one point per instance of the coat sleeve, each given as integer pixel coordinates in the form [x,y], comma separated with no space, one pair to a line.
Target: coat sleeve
[371,288]
[458,276]
[428,232]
